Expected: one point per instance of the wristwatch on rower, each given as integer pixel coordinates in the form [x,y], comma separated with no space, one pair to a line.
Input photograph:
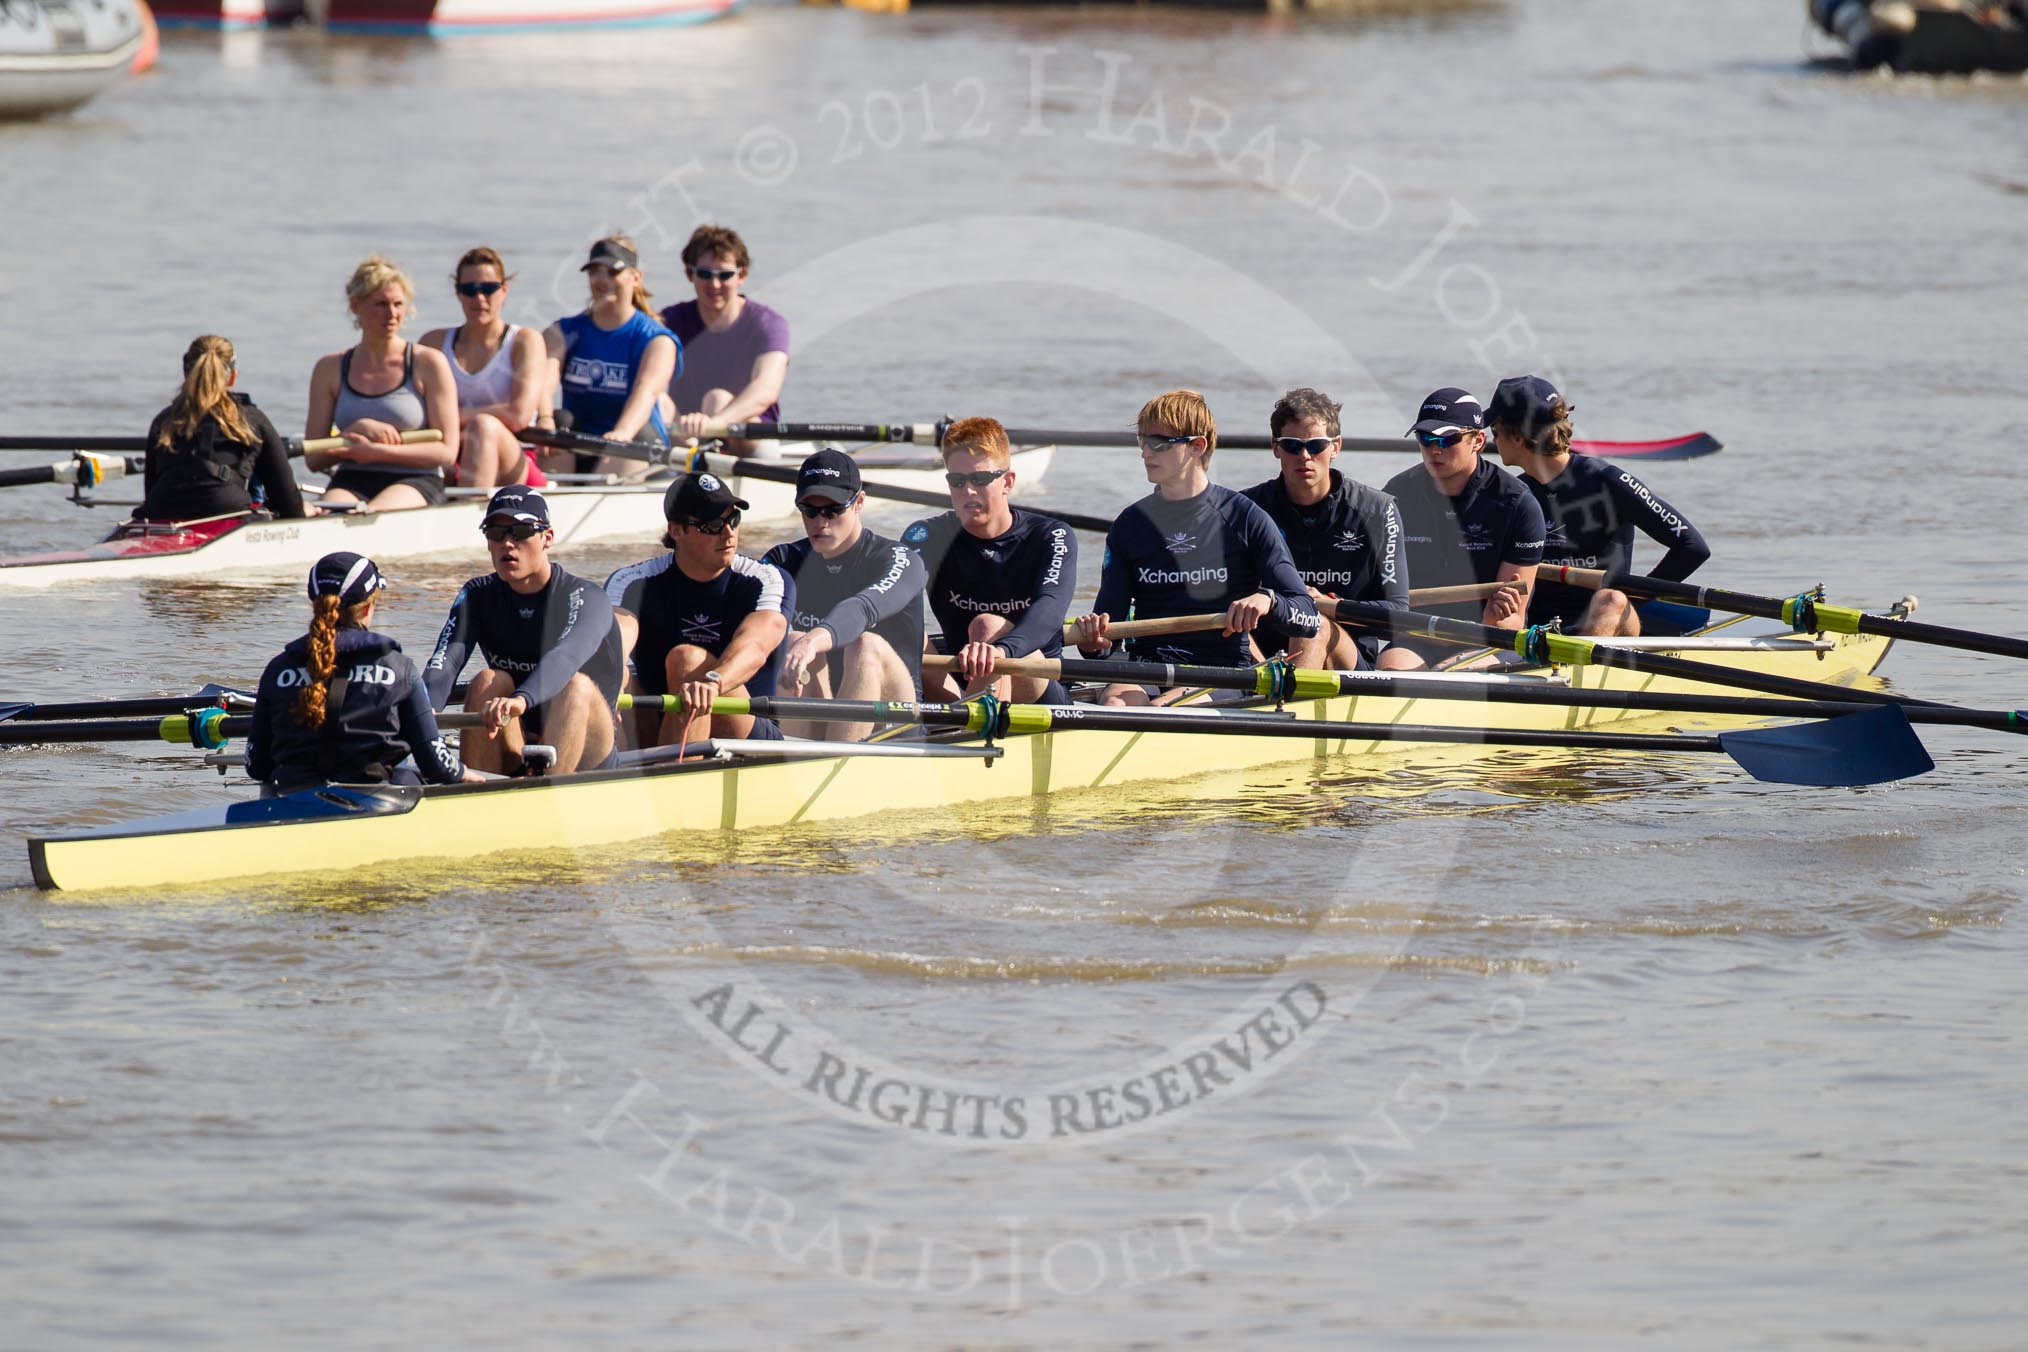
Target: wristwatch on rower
[714,678]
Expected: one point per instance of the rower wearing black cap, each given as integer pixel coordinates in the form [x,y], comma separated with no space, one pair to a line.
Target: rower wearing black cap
[1001,576]
[343,704]
[703,620]
[1465,520]
[1195,547]
[1592,509]
[858,617]
[554,666]
[1345,537]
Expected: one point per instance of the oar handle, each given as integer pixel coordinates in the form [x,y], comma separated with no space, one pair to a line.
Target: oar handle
[1041,668]
[1593,578]
[414,437]
[1174,624]
[1443,596]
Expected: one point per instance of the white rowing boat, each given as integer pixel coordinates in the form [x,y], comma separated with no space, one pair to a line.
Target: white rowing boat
[581,514]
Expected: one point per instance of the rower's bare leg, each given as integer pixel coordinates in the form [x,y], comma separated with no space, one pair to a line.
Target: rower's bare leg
[1343,653]
[1397,658]
[1310,654]
[816,685]
[489,454]
[870,669]
[638,726]
[397,498]
[1610,614]
[495,755]
[938,686]
[687,662]
[579,724]
[715,402]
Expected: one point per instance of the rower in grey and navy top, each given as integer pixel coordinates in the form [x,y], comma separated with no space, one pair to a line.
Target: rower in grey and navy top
[875,586]
[1457,540]
[674,608]
[1349,545]
[1592,509]
[374,721]
[1026,575]
[400,408]
[541,639]
[1198,556]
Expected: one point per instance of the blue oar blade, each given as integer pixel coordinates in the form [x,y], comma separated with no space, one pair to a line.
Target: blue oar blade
[1666,619]
[8,711]
[1867,748]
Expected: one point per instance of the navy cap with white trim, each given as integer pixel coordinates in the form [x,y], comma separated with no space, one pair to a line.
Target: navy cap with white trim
[519,502]
[349,577]
[1529,405]
[1449,410]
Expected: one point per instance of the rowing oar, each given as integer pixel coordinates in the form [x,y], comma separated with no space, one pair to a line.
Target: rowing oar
[87,471]
[148,706]
[931,434]
[1294,683]
[1201,624]
[1539,644]
[139,445]
[1805,613]
[1866,748]
[732,466]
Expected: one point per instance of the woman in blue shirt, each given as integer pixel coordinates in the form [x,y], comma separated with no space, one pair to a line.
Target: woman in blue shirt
[614,360]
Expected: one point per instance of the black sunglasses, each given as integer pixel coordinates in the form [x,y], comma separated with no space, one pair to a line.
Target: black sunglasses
[716,526]
[508,530]
[827,510]
[714,274]
[1304,445]
[982,478]
[479,288]
[1444,439]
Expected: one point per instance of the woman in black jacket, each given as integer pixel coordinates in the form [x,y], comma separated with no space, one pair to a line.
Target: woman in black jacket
[207,449]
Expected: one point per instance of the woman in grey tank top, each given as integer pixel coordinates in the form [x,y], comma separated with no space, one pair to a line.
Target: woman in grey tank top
[372,393]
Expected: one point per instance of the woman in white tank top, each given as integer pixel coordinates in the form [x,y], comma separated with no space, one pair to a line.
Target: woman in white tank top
[501,372]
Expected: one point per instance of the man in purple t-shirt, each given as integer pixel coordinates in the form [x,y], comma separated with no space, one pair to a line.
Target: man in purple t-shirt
[735,350]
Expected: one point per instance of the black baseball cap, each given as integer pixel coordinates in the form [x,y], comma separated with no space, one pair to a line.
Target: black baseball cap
[829,473]
[519,502]
[610,253]
[700,497]
[1449,410]
[349,577]
[1528,404]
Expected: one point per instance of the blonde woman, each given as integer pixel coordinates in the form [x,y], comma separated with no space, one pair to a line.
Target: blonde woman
[501,375]
[373,392]
[210,447]
[614,360]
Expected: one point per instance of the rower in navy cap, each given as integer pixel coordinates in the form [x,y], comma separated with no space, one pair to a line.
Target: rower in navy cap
[343,704]
[702,620]
[553,662]
[1465,521]
[858,618]
[1591,508]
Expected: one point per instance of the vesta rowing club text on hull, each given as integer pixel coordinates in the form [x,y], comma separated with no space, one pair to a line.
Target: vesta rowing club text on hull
[844,1083]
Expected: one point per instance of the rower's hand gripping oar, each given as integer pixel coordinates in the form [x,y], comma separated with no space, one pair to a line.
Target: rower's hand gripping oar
[1806,613]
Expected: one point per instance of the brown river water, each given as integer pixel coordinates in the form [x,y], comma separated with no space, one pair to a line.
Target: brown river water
[1548,1052]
